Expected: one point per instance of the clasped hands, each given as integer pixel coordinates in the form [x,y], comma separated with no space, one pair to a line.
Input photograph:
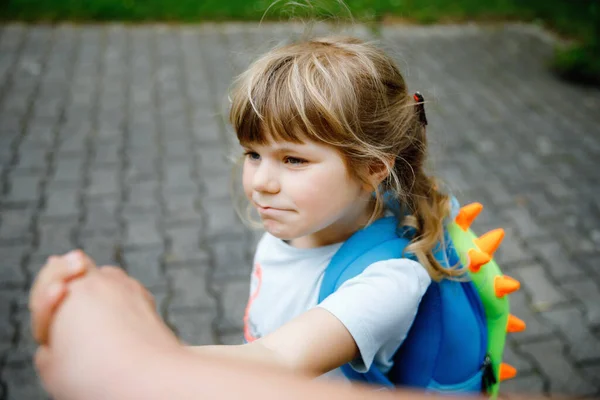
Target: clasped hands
[90,322]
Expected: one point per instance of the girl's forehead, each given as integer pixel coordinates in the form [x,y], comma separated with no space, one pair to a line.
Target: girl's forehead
[282,145]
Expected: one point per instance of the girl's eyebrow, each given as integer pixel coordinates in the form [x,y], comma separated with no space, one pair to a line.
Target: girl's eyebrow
[285,149]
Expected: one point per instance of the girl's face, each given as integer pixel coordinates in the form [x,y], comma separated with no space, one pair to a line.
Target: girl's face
[304,193]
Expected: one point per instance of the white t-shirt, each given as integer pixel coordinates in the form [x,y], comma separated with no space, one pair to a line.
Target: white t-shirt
[377,307]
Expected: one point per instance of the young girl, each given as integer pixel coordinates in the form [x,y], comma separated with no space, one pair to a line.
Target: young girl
[333,141]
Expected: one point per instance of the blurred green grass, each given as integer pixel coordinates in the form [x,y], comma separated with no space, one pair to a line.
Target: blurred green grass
[574,19]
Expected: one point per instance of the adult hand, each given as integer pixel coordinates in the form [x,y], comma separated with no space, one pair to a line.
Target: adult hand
[50,288]
[105,329]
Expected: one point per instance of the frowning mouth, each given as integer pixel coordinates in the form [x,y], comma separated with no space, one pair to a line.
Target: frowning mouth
[269,210]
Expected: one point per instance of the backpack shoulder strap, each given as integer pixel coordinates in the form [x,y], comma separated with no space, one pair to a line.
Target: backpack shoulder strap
[379,241]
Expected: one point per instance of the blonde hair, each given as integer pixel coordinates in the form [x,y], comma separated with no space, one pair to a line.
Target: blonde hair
[349,94]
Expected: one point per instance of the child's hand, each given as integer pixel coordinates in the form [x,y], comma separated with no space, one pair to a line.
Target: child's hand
[50,288]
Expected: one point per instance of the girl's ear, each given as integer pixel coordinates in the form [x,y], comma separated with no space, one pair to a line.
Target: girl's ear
[377,173]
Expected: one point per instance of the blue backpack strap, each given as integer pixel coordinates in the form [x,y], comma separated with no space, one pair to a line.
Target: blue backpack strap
[365,247]
[379,241]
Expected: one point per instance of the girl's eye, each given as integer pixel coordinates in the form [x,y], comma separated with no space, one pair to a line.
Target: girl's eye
[252,155]
[295,161]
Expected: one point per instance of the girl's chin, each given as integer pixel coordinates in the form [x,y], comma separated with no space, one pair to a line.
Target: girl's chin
[279,230]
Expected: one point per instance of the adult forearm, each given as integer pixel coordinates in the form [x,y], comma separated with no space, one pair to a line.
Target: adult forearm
[254,353]
[185,375]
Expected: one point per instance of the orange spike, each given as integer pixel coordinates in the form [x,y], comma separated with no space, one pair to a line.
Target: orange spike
[467,215]
[507,372]
[477,259]
[490,241]
[504,285]
[515,324]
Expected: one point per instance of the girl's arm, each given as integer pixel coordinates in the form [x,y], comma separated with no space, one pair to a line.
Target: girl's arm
[311,344]
[372,312]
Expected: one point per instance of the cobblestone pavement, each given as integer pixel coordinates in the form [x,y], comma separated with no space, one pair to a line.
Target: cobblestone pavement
[113,138]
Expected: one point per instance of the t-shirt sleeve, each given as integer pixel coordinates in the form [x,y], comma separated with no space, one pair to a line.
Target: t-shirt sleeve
[378,306]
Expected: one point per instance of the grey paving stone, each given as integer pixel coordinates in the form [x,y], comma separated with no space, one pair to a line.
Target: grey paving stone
[174,125]
[142,196]
[221,218]
[16,224]
[184,245]
[23,383]
[563,378]
[73,133]
[525,223]
[142,166]
[189,285]
[145,266]
[219,187]
[103,249]
[11,264]
[48,107]
[62,201]
[234,338]
[521,362]
[231,261]
[8,328]
[522,384]
[178,177]
[255,236]
[233,297]
[34,159]
[69,168]
[512,251]
[24,349]
[19,101]
[101,216]
[161,298]
[543,292]
[206,130]
[536,327]
[110,125]
[177,149]
[213,160]
[35,263]
[194,328]
[23,188]
[103,182]
[583,345]
[573,237]
[556,259]
[182,208]
[536,202]
[588,293]
[11,128]
[107,154]
[142,233]
[55,237]
[558,188]
[592,373]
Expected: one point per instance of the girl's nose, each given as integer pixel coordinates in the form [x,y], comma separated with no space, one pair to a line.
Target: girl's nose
[265,179]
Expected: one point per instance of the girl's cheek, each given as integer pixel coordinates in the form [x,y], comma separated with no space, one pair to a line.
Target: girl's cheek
[308,185]
[316,190]
[247,182]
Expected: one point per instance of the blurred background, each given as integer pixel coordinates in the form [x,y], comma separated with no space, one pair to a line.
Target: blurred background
[114,138]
